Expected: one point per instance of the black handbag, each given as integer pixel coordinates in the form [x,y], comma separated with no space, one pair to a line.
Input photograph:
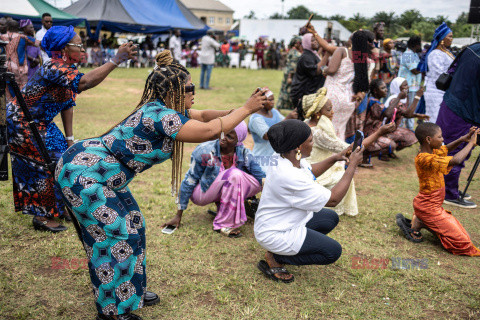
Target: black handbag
[251,206]
[445,79]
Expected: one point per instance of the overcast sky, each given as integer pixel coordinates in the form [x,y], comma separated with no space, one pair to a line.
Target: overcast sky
[264,8]
[428,8]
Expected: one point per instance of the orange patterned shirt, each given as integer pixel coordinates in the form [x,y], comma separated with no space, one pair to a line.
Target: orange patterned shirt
[430,169]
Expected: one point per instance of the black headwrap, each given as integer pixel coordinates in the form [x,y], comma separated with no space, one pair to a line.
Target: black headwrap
[288,135]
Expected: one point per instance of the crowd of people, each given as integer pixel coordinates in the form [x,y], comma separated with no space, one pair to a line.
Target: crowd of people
[303,164]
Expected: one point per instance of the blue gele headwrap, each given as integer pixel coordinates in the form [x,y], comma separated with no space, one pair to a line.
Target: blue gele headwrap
[57,38]
[440,34]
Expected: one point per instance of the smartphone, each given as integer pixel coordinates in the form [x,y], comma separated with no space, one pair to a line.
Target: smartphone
[169,229]
[394,114]
[478,139]
[358,140]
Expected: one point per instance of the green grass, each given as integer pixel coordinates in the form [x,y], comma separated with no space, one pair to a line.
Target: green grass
[200,274]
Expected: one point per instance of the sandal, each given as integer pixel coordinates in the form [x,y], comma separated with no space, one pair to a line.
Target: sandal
[384,157]
[230,232]
[366,165]
[406,228]
[263,266]
[393,155]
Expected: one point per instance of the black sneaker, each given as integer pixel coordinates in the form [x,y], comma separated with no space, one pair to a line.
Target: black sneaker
[467,196]
[462,203]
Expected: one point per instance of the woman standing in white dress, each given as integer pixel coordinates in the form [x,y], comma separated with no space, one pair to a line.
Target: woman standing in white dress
[437,60]
[347,80]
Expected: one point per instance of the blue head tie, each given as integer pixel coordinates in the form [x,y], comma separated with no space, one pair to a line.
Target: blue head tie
[57,38]
[440,33]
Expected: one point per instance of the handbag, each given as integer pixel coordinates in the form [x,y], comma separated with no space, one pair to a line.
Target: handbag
[445,79]
[251,206]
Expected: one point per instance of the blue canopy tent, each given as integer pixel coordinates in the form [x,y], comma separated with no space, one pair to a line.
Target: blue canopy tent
[139,16]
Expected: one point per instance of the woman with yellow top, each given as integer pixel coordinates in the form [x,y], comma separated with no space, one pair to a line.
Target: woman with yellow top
[318,111]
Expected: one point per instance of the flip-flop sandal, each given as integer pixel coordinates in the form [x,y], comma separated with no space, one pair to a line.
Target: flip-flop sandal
[228,232]
[213,213]
[366,165]
[408,232]
[263,266]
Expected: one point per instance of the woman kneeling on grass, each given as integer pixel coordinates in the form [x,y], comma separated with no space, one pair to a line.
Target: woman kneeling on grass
[291,222]
[94,174]
[223,172]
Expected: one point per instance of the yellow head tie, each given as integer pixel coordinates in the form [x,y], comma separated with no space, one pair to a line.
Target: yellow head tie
[318,103]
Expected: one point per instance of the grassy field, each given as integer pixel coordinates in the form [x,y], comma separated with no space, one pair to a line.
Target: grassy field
[200,274]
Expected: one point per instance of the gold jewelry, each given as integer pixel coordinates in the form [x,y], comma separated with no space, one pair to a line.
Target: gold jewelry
[442,42]
[222,135]
[298,156]
[447,52]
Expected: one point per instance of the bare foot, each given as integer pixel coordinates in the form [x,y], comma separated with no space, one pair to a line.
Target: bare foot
[274,264]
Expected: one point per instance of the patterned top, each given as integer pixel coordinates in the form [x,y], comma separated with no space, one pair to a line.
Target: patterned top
[52,89]
[430,169]
[408,62]
[146,137]
[374,117]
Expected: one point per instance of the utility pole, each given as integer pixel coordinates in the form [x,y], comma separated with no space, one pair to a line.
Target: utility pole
[283,9]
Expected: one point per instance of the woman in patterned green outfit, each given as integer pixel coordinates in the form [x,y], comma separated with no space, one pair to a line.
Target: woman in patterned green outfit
[284,101]
[94,174]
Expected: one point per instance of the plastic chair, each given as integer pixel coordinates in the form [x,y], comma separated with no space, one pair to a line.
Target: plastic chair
[234,59]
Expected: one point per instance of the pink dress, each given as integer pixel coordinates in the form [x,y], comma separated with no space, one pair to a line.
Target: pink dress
[229,191]
[340,92]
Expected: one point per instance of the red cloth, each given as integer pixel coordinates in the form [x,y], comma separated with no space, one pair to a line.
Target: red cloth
[454,237]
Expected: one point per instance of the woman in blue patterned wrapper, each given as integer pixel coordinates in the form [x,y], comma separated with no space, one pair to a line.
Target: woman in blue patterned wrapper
[50,91]
[94,174]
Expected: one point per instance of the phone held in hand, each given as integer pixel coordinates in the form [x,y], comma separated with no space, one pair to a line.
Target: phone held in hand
[169,229]
[358,140]
[394,114]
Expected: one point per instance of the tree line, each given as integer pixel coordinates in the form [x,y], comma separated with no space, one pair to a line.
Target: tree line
[409,23]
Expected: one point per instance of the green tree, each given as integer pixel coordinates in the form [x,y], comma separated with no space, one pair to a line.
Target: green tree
[337,17]
[276,15]
[438,20]
[250,15]
[425,29]
[409,17]
[299,12]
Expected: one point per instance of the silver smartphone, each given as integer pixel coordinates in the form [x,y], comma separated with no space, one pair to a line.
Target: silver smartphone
[169,229]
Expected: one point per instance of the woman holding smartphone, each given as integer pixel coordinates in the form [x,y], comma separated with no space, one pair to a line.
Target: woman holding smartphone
[291,222]
[94,174]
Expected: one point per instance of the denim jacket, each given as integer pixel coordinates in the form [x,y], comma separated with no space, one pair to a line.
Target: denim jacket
[205,166]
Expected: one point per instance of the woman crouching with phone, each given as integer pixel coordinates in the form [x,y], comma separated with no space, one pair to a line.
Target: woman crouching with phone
[291,222]
[94,175]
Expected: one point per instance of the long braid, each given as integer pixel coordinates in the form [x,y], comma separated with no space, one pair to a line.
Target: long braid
[362,42]
[167,82]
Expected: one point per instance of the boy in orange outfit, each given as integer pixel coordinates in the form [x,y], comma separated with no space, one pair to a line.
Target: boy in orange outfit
[432,163]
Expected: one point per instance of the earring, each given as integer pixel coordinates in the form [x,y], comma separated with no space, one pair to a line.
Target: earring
[298,156]
[442,42]
[64,57]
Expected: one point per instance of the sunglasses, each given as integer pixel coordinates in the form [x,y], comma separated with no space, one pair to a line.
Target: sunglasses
[190,88]
[75,45]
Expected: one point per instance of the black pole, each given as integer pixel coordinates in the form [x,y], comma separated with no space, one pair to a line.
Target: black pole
[470,177]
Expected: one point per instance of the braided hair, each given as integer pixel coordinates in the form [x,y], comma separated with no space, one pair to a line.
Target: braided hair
[362,44]
[167,83]
[374,85]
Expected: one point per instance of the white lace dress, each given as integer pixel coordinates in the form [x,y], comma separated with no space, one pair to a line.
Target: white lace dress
[325,144]
[438,63]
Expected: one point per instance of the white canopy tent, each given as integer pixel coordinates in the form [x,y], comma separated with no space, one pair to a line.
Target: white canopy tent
[252,29]
[18,7]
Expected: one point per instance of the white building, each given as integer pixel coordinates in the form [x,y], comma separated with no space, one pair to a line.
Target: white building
[252,29]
